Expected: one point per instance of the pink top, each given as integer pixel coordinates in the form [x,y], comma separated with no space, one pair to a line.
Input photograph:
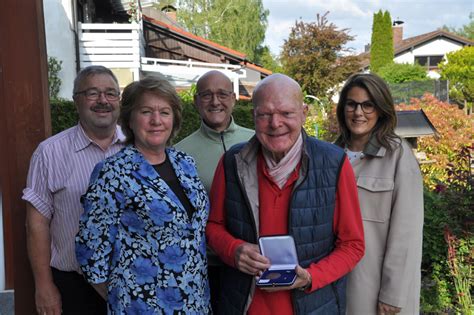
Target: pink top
[58,176]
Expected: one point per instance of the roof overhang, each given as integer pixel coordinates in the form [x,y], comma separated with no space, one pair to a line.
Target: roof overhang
[414,124]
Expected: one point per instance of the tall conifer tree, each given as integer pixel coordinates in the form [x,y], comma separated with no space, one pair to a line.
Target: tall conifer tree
[381,47]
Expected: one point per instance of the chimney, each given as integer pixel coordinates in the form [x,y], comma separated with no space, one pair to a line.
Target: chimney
[397,29]
[170,12]
[171,15]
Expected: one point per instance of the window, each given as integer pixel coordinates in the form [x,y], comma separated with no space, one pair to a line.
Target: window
[430,62]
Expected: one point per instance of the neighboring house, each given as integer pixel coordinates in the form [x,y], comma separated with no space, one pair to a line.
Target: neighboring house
[141,42]
[427,49]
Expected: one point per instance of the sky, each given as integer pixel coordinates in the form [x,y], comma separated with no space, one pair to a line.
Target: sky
[419,17]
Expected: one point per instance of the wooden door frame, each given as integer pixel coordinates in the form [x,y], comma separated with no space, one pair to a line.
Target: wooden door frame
[24,122]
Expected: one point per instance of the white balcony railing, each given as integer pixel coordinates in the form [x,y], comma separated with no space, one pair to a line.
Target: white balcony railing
[183,73]
[110,45]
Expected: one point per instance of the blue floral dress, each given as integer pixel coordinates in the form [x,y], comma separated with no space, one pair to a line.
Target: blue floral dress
[136,235]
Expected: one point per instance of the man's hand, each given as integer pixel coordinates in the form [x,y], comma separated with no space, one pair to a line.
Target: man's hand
[249,260]
[38,241]
[303,279]
[48,299]
[385,309]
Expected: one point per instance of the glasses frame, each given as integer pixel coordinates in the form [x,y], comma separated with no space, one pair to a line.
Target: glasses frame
[226,98]
[91,98]
[357,104]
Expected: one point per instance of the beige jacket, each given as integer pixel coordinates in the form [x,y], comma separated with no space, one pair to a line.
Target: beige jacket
[391,201]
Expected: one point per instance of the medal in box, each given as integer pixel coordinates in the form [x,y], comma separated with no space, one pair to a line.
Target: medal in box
[281,252]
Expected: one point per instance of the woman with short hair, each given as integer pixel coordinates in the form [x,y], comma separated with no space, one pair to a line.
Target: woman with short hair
[141,240]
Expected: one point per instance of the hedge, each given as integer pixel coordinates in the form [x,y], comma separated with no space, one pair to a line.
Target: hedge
[64,115]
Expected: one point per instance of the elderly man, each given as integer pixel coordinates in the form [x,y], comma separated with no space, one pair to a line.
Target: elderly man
[284,182]
[59,173]
[214,100]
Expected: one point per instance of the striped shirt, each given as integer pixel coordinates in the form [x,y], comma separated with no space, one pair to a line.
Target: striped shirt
[58,176]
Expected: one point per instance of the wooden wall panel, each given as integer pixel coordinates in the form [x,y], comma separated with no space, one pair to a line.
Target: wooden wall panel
[24,122]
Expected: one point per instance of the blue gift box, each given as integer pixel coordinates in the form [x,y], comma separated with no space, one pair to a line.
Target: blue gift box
[281,251]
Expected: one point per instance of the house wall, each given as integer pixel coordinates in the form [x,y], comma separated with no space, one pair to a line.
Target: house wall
[437,47]
[440,46]
[60,23]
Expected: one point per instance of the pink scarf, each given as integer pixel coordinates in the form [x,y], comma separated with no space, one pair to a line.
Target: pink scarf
[280,171]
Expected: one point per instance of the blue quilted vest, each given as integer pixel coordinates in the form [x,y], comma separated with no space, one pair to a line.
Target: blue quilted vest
[310,223]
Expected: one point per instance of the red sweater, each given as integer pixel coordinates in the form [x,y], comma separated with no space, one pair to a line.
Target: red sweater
[274,204]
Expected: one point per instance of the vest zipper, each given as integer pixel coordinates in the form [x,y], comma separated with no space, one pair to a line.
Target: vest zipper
[333,285]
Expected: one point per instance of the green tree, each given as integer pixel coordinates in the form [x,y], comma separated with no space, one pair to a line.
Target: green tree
[54,82]
[268,60]
[237,24]
[402,72]
[381,47]
[459,70]
[316,57]
[466,30]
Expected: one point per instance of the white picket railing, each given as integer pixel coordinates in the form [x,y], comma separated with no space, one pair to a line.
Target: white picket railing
[110,45]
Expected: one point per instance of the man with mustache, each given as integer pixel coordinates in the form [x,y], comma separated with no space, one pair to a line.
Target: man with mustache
[59,174]
[214,101]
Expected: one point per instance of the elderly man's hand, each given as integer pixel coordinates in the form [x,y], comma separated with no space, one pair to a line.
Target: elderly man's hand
[303,279]
[385,309]
[249,260]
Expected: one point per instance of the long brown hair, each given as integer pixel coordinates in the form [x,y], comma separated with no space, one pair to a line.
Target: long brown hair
[379,93]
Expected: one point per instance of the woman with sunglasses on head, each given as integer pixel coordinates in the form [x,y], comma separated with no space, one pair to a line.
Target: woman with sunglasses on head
[387,280]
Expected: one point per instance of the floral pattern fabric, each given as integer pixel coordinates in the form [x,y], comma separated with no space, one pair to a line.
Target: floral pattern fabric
[136,235]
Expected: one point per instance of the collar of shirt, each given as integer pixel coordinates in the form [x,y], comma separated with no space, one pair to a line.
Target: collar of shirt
[82,141]
[215,135]
[374,148]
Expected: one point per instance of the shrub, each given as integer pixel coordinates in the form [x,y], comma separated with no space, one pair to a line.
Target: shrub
[460,261]
[448,208]
[63,114]
[455,130]
[190,117]
[459,70]
[54,82]
[191,121]
[321,116]
[402,72]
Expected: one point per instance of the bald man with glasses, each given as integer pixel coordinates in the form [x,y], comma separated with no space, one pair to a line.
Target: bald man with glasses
[214,101]
[59,174]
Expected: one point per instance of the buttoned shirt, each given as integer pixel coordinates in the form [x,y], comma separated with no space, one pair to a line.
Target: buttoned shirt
[59,174]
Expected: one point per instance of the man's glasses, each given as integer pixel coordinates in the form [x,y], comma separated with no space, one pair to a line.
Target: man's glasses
[93,94]
[222,95]
[367,107]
